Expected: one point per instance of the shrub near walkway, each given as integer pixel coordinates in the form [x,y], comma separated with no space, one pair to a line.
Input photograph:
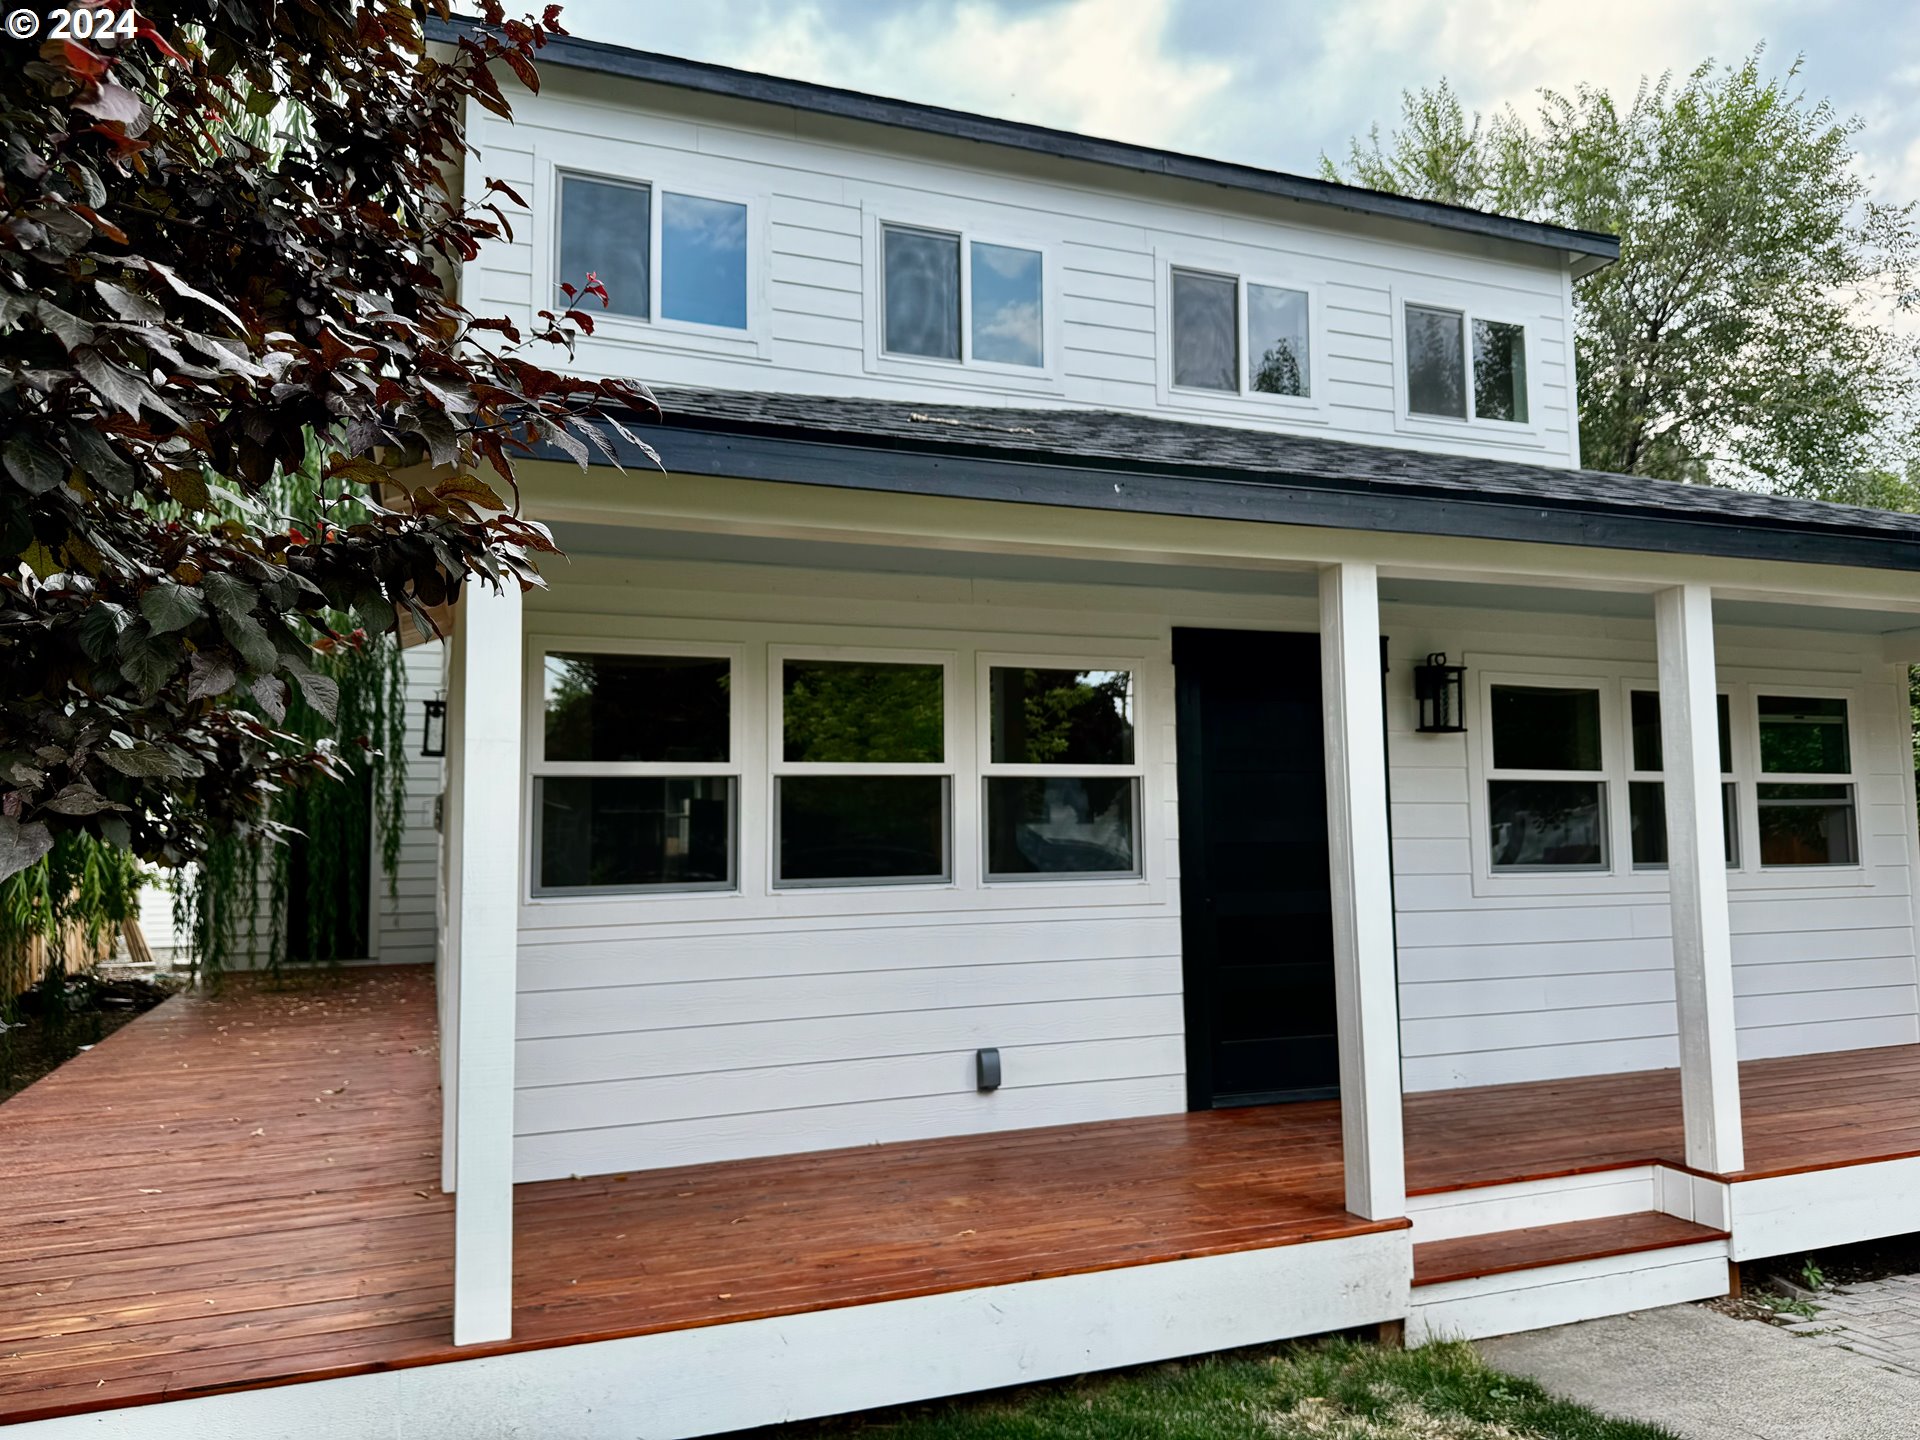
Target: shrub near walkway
[1333,1390]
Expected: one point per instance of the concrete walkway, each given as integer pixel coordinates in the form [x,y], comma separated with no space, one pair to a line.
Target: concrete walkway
[1708,1377]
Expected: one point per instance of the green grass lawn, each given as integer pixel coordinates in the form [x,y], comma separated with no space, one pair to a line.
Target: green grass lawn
[1329,1390]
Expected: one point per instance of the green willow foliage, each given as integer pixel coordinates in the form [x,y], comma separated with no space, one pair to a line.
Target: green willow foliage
[321,826]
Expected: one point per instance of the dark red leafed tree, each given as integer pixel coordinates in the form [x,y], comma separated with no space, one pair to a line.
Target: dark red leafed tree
[224,249]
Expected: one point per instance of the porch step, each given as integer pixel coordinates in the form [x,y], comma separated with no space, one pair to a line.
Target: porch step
[1529,1204]
[1478,1285]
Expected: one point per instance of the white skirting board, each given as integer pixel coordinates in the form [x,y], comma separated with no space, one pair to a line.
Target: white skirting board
[760,1372]
[1561,1294]
[1788,1213]
[1489,1209]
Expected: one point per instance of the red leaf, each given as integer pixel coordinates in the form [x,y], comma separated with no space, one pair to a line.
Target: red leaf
[83,62]
[523,67]
[508,191]
[144,28]
[106,227]
[123,143]
[594,287]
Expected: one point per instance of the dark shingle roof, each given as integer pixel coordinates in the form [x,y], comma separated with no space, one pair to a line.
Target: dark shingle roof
[1120,440]
[1108,460]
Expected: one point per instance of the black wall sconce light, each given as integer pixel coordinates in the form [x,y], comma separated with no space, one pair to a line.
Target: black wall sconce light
[433,728]
[1438,688]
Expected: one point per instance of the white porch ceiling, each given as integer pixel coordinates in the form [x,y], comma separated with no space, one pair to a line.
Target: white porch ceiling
[642,543]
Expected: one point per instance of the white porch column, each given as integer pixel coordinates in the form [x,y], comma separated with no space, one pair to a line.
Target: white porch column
[1697,870]
[484,896]
[1366,989]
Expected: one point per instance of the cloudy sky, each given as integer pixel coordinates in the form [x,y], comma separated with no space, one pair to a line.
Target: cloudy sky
[1276,82]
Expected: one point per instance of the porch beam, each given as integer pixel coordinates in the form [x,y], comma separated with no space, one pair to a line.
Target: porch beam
[485,884]
[1697,873]
[1365,985]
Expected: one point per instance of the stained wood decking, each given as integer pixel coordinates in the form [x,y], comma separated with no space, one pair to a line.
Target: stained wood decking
[1800,1113]
[240,1192]
[244,1191]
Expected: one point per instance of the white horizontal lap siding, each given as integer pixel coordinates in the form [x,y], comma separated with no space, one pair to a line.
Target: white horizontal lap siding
[405,922]
[1576,977]
[1109,236]
[670,1030]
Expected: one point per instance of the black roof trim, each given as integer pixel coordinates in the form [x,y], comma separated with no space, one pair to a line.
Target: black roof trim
[1332,484]
[698,75]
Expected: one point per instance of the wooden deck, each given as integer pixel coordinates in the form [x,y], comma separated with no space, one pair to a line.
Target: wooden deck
[1800,1113]
[243,1192]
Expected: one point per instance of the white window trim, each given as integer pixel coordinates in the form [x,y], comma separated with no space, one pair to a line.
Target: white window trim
[1244,272]
[1852,779]
[1471,305]
[537,766]
[657,332]
[987,768]
[966,372]
[1605,777]
[559,917]
[948,767]
[1615,679]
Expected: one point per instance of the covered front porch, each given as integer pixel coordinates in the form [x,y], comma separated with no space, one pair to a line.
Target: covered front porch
[1611,917]
[287,1232]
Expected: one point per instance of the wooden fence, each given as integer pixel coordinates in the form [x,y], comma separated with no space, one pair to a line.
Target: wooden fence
[21,969]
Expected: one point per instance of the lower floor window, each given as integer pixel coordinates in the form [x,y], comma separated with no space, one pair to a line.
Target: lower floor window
[1647,802]
[1548,824]
[635,832]
[854,829]
[1808,825]
[1062,825]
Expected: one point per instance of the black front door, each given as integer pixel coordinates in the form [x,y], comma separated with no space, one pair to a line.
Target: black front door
[1256,911]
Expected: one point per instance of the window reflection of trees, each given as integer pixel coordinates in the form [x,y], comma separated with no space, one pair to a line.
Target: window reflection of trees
[1280,371]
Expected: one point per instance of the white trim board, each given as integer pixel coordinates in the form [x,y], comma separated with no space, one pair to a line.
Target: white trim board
[1561,1294]
[1785,1213]
[719,1378]
[1527,1204]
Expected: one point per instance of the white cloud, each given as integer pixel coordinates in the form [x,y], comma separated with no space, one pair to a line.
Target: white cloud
[1276,82]
[1091,65]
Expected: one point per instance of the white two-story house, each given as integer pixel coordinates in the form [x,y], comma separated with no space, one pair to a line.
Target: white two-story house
[1120,792]
[1018,702]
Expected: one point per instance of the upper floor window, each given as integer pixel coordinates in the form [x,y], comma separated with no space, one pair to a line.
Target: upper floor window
[1452,379]
[617,230]
[947,296]
[1235,336]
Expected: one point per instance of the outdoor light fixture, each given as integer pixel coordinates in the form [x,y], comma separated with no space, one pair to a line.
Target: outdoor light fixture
[1437,687]
[433,728]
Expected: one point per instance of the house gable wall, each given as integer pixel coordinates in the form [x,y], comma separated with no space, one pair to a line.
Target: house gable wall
[817,190]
